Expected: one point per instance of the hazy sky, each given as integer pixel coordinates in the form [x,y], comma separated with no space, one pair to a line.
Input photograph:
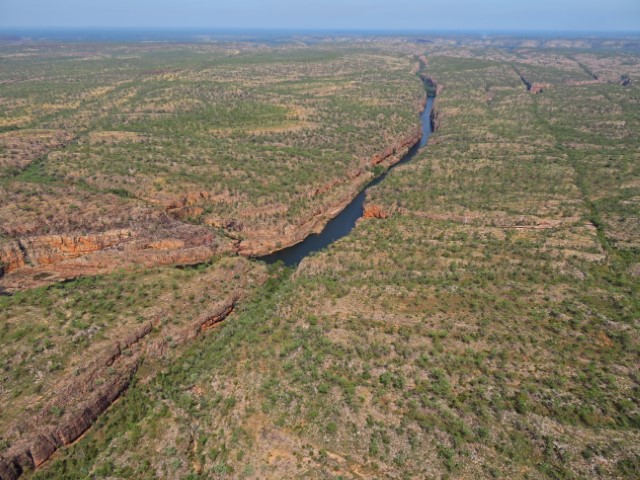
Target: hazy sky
[581,15]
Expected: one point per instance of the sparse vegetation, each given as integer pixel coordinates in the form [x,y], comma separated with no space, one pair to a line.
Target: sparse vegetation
[245,134]
[487,328]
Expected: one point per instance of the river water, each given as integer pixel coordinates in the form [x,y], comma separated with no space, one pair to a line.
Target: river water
[344,222]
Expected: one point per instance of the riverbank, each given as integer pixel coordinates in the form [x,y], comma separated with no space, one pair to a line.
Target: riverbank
[207,166]
[81,398]
[344,220]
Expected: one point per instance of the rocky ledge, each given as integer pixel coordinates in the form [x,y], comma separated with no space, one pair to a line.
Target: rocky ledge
[257,244]
[35,260]
[84,397]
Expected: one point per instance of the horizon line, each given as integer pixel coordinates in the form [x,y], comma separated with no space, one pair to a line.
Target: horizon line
[167,28]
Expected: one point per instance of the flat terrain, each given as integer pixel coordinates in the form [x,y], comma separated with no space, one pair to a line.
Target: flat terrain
[486,326]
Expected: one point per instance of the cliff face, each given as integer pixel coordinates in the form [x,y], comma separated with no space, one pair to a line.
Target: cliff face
[84,397]
[115,232]
[259,243]
[82,405]
[50,249]
[36,260]
[11,258]
[30,260]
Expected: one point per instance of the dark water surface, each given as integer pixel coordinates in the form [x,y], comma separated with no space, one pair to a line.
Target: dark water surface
[344,222]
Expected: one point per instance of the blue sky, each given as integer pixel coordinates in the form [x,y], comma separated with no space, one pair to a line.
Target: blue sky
[486,15]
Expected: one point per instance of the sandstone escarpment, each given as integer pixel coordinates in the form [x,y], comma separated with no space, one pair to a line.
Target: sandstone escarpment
[68,403]
[50,249]
[82,404]
[83,398]
[11,257]
[35,260]
[259,243]
[30,260]
[533,87]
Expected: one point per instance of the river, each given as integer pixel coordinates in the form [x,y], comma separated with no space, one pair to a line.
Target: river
[345,221]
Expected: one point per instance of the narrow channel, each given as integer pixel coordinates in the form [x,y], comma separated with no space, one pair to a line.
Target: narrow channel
[345,221]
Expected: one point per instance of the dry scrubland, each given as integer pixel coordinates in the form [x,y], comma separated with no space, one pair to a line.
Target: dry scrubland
[170,153]
[487,328]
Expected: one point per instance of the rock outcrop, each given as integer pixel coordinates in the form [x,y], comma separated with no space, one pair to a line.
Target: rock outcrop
[35,260]
[374,211]
[257,244]
[29,259]
[11,258]
[50,249]
[539,87]
[83,398]
[42,250]
[45,435]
